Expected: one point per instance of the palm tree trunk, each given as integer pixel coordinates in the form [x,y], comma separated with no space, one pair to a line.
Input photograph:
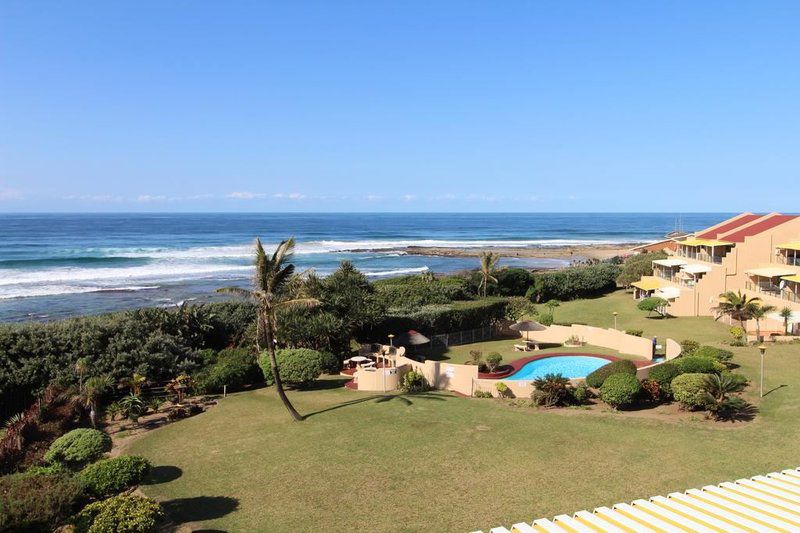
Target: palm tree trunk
[93,415]
[273,363]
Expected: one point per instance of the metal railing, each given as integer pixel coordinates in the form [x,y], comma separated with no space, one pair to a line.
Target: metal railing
[786,260]
[706,258]
[770,289]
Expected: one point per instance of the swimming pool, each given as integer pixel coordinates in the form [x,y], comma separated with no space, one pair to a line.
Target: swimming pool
[569,366]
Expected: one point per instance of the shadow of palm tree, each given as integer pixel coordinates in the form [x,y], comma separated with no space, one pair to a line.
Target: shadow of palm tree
[162,474]
[381,398]
[182,510]
[745,413]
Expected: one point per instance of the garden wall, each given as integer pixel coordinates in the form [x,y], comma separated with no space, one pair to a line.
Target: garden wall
[443,375]
[606,338]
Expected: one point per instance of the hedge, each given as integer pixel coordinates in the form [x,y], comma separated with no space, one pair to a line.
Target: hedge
[695,365]
[78,447]
[37,502]
[620,390]
[711,352]
[120,514]
[233,367]
[437,319]
[623,366]
[298,366]
[111,476]
[574,282]
[663,374]
[689,390]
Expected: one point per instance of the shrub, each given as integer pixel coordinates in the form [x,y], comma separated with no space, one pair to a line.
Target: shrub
[502,389]
[634,332]
[37,502]
[740,381]
[554,390]
[475,357]
[546,319]
[78,447]
[234,367]
[654,303]
[652,390]
[694,365]
[111,476]
[580,394]
[663,374]
[620,389]
[413,381]
[689,390]
[636,266]
[723,356]
[298,366]
[493,360]
[125,513]
[739,336]
[513,281]
[518,307]
[688,347]
[573,282]
[482,394]
[623,366]
[53,469]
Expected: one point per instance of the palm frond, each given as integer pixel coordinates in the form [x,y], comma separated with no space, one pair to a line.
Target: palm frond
[298,303]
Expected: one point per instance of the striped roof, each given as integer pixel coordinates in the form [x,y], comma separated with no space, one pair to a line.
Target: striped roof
[766,223]
[762,503]
[725,227]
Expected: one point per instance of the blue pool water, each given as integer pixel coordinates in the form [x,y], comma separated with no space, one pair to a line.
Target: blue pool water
[569,366]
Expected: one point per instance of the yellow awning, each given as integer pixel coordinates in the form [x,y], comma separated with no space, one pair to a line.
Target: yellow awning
[790,246]
[692,241]
[771,272]
[795,279]
[647,284]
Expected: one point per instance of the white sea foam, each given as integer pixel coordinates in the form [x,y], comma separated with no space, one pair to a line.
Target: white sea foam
[396,272]
[28,291]
[160,271]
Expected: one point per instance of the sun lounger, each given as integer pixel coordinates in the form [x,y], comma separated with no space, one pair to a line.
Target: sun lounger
[521,348]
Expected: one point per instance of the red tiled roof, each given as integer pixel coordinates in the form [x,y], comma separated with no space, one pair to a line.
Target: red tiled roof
[728,226]
[759,227]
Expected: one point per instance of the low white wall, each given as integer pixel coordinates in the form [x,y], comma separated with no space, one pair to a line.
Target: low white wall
[607,338]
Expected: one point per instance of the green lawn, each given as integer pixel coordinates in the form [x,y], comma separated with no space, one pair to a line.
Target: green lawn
[439,462]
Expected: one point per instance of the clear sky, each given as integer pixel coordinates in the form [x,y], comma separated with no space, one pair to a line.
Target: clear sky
[399,106]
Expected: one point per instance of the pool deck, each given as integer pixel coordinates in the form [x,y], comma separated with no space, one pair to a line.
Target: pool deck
[519,363]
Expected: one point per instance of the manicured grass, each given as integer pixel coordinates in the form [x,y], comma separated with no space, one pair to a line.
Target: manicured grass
[439,462]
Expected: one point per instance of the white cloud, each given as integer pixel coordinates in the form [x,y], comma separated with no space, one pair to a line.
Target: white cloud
[10,194]
[98,198]
[147,198]
[245,195]
[374,197]
[408,197]
[290,196]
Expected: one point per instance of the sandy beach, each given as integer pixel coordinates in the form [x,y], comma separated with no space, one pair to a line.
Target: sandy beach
[589,251]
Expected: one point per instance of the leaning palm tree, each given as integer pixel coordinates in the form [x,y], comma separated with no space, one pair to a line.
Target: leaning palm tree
[786,314]
[488,262]
[272,293]
[92,392]
[759,313]
[736,305]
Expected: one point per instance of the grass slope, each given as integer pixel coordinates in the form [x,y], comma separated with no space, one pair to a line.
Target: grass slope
[439,462]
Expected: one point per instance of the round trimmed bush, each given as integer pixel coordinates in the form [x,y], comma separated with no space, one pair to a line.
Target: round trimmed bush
[620,389]
[111,476]
[297,366]
[663,374]
[120,514]
[623,366]
[233,367]
[716,354]
[689,390]
[695,365]
[37,502]
[78,447]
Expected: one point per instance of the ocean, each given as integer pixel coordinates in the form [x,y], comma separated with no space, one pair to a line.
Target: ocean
[59,265]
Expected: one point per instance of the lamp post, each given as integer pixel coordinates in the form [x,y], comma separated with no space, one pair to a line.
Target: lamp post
[763,349]
[615,320]
[383,370]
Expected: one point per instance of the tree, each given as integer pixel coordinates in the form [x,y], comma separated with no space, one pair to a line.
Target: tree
[758,313]
[81,367]
[637,266]
[92,392]
[551,305]
[736,305]
[272,293]
[653,304]
[786,314]
[488,263]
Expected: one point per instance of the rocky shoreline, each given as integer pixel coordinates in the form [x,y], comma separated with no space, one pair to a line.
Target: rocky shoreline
[576,252]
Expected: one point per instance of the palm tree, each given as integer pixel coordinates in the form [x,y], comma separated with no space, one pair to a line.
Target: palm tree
[717,389]
[758,313]
[786,314]
[488,262]
[134,383]
[81,367]
[272,293]
[736,305]
[92,392]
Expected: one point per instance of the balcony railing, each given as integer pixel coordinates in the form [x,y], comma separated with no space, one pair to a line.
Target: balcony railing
[708,258]
[787,260]
[770,289]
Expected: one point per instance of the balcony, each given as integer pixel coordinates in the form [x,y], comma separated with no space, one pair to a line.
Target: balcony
[788,260]
[700,256]
[768,288]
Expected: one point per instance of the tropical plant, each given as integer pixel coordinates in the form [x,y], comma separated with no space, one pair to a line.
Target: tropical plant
[81,367]
[475,357]
[759,313]
[739,336]
[786,314]
[717,389]
[78,447]
[737,306]
[107,477]
[113,409]
[132,405]
[488,262]
[689,346]
[493,360]
[126,513]
[502,389]
[271,292]
[179,385]
[134,383]
[92,392]
[413,381]
[553,389]
[663,375]
[16,425]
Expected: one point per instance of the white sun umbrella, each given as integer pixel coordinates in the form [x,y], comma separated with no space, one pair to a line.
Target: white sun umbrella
[526,326]
[794,318]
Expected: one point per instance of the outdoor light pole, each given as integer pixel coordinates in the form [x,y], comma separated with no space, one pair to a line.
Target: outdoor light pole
[763,350]
[383,370]
[615,320]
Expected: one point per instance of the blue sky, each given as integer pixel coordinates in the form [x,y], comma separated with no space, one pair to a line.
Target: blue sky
[399,106]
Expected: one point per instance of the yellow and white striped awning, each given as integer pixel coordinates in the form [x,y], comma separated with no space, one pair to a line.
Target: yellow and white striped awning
[762,503]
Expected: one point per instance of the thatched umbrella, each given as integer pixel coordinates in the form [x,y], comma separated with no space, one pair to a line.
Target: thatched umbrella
[527,326]
[412,339]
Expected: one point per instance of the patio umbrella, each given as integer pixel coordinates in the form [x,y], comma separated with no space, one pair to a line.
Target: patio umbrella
[412,339]
[527,326]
